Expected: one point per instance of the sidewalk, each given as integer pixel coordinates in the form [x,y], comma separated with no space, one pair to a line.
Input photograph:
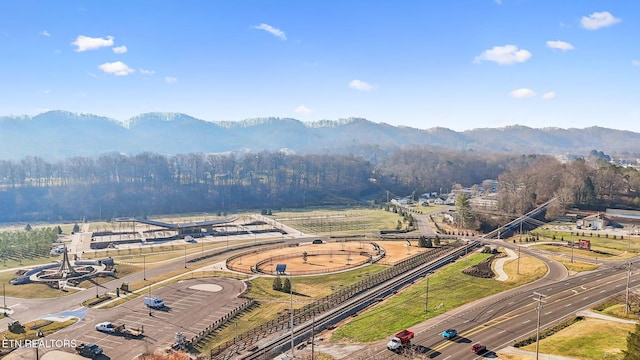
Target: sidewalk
[499,264]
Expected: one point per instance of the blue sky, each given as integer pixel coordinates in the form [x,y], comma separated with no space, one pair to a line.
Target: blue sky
[457,64]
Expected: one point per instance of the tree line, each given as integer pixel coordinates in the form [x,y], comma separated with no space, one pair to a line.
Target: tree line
[116,185]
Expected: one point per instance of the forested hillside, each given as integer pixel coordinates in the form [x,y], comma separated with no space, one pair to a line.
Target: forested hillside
[58,135]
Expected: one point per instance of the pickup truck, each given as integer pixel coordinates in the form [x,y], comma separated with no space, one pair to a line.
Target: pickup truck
[400,340]
[90,350]
[121,329]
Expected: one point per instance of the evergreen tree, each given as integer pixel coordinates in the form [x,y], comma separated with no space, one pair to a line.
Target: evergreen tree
[28,227]
[76,227]
[422,241]
[464,211]
[277,284]
[286,287]
[589,191]
[633,345]
[59,230]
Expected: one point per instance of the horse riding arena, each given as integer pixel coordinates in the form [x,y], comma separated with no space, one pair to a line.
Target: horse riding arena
[310,259]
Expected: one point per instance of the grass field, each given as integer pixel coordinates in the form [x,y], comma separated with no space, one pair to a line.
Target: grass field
[30,291]
[28,333]
[341,221]
[575,266]
[610,243]
[596,253]
[590,339]
[407,308]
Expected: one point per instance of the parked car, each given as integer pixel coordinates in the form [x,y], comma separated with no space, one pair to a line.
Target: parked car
[449,334]
[318,241]
[90,350]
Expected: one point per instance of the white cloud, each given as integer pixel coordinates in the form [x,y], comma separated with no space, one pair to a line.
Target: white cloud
[117,68]
[522,93]
[560,45]
[302,110]
[504,55]
[598,20]
[635,63]
[119,49]
[146,72]
[170,80]
[271,30]
[549,95]
[84,43]
[44,33]
[360,85]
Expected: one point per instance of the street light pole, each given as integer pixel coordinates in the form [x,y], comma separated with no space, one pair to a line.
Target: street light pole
[144,267]
[291,312]
[185,256]
[518,263]
[626,308]
[426,299]
[539,309]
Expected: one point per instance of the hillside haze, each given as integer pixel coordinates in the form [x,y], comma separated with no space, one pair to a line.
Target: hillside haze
[57,135]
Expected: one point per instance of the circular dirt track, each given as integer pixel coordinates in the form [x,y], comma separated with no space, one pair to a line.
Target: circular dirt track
[321,258]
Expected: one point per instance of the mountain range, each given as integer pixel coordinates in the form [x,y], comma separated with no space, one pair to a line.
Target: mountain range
[57,135]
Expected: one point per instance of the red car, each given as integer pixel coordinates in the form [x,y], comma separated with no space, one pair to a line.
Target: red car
[478,348]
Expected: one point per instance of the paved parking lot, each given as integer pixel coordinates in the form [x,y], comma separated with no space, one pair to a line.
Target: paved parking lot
[191,306]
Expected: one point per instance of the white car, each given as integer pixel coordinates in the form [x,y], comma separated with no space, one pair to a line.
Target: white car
[106,327]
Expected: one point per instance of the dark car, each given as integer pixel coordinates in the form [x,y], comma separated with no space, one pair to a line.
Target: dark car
[318,241]
[89,350]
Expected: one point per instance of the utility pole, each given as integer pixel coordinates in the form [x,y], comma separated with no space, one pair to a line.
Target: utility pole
[571,247]
[4,297]
[185,256]
[149,295]
[518,263]
[426,300]
[539,309]
[627,305]
[313,337]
